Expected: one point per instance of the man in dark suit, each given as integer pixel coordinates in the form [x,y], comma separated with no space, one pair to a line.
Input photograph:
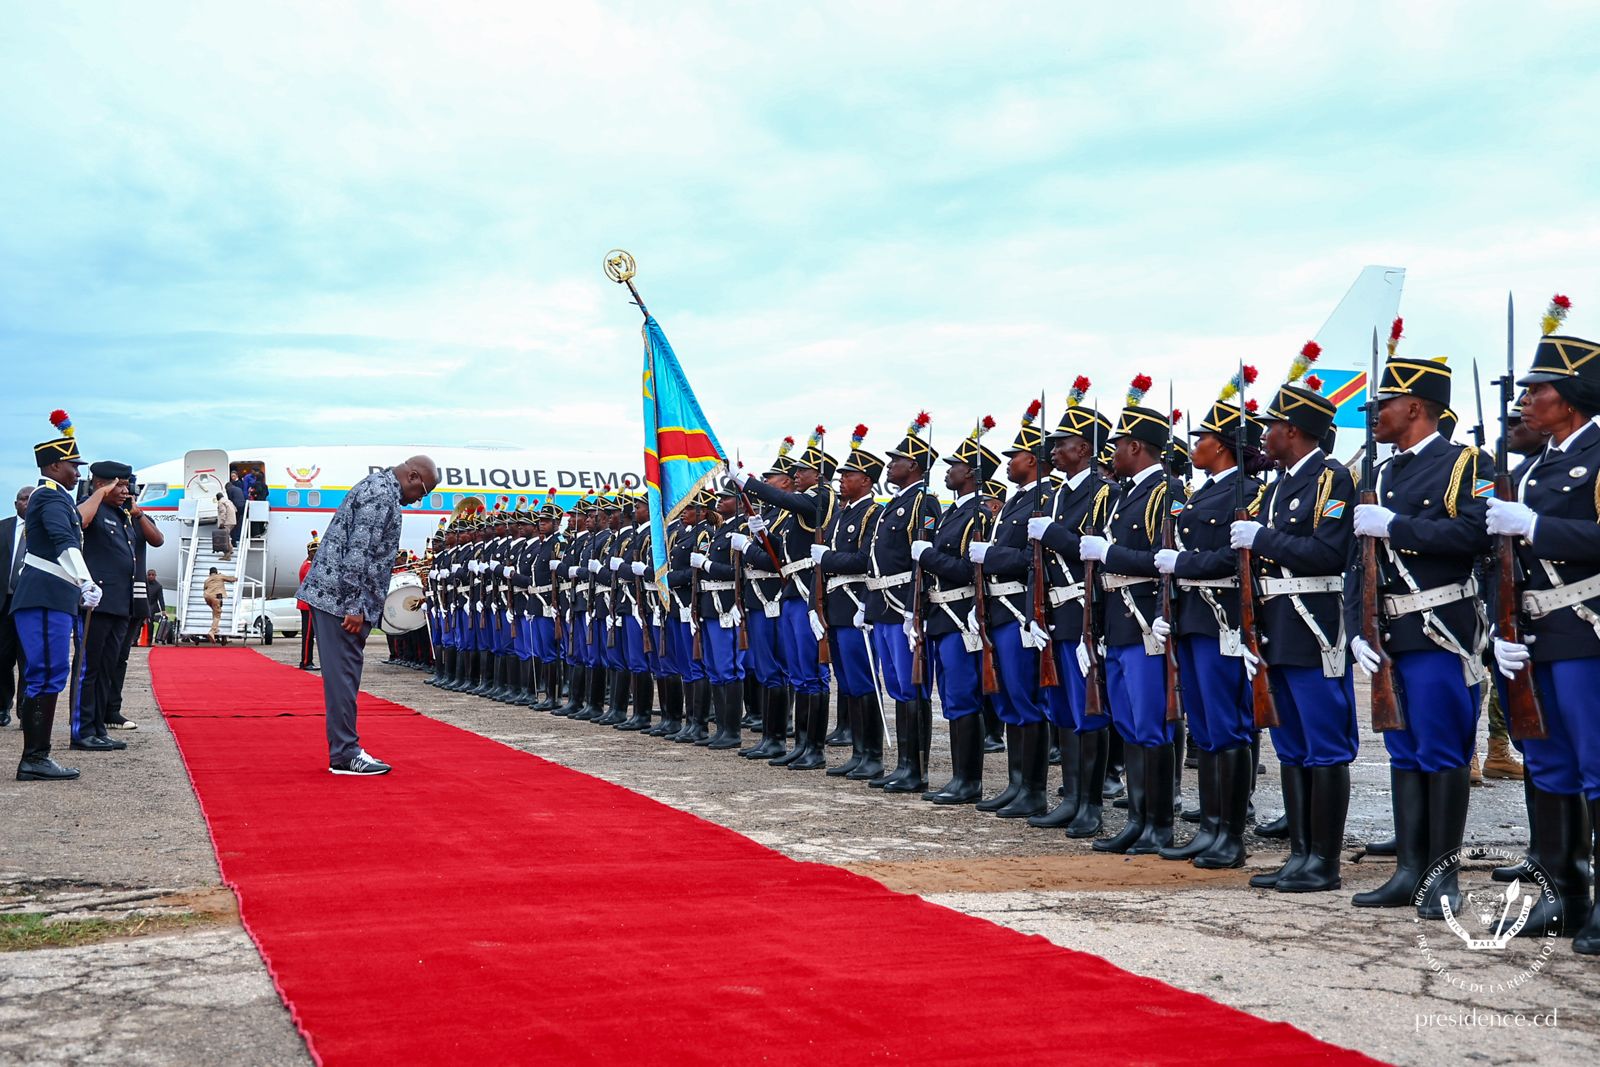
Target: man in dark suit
[11,555]
[237,490]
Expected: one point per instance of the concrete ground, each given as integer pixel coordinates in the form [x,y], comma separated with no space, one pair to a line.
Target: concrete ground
[128,839]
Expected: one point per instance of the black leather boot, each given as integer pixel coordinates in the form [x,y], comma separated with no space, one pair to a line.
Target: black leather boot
[1116,764]
[1235,775]
[1408,800]
[1071,760]
[1135,757]
[1094,748]
[1013,772]
[871,732]
[1446,825]
[1158,802]
[752,703]
[434,676]
[494,674]
[774,725]
[966,763]
[1587,940]
[756,706]
[725,703]
[1388,846]
[1032,798]
[699,704]
[1210,796]
[813,755]
[1180,738]
[1329,788]
[1297,825]
[902,766]
[577,685]
[619,687]
[1521,868]
[843,735]
[802,727]
[37,715]
[850,708]
[599,689]
[915,780]
[642,685]
[670,686]
[1564,844]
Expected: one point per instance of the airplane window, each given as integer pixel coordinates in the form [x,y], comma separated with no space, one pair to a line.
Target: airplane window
[153,491]
[292,498]
[436,501]
[313,498]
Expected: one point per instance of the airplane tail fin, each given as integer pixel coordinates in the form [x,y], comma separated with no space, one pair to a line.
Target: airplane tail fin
[1346,340]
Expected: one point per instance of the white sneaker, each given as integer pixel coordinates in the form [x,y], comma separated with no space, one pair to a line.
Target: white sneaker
[360,763]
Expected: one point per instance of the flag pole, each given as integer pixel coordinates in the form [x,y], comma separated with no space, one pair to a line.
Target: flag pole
[620,268]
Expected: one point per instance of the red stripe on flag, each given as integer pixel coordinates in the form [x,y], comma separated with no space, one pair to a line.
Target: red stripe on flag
[1349,389]
[676,443]
[652,469]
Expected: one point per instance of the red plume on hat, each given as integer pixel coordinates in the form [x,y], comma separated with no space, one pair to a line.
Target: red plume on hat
[1137,388]
[1079,390]
[1302,363]
[62,423]
[858,435]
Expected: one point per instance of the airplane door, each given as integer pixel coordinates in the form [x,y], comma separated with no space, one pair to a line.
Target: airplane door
[205,474]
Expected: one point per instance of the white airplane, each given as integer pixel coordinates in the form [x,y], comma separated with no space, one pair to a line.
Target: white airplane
[1372,302]
[306,484]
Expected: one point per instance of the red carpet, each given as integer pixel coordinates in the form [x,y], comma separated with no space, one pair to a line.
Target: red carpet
[483,906]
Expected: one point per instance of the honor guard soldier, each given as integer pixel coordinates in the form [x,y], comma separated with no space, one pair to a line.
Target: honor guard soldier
[955,639]
[597,622]
[1429,525]
[1080,506]
[686,537]
[438,632]
[518,574]
[502,628]
[1557,527]
[637,577]
[53,585]
[1135,658]
[844,557]
[543,606]
[721,619]
[619,578]
[1018,640]
[801,513]
[576,587]
[1212,657]
[764,590]
[1301,539]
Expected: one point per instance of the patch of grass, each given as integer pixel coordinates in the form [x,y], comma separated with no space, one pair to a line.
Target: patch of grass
[20,933]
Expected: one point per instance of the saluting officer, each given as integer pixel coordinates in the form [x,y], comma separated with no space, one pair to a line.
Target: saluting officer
[1080,505]
[1211,652]
[54,583]
[1557,525]
[1430,527]
[1136,683]
[845,557]
[764,589]
[951,621]
[1302,541]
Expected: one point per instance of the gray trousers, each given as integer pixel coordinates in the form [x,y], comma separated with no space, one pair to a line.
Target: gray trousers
[341,680]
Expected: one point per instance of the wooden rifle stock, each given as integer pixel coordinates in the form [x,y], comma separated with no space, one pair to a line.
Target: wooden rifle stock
[918,637]
[1387,713]
[1524,716]
[1263,707]
[1049,677]
[1169,612]
[1094,681]
[555,588]
[980,610]
[819,591]
[737,559]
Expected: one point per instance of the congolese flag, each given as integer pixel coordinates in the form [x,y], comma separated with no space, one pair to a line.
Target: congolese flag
[681,454]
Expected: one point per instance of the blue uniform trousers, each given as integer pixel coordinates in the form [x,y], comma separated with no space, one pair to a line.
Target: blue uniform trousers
[543,632]
[658,659]
[44,644]
[957,673]
[762,655]
[850,660]
[502,633]
[893,648]
[436,629]
[631,644]
[719,648]
[1568,761]
[1317,717]
[1441,714]
[681,649]
[1017,702]
[1075,687]
[578,640]
[797,648]
[462,625]
[1216,694]
[1136,688]
[522,639]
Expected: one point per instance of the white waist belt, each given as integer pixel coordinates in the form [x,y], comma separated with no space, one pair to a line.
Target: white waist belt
[888,581]
[950,596]
[1537,603]
[1230,582]
[796,567]
[715,587]
[1411,603]
[49,567]
[1006,588]
[839,581]
[1122,581]
[1061,594]
[538,589]
[1326,583]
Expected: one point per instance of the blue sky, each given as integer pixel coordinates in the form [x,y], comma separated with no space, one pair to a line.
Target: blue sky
[337,223]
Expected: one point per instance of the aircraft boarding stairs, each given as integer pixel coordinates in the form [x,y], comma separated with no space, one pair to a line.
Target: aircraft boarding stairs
[248,566]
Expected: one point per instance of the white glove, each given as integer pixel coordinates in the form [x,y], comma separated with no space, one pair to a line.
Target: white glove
[819,631]
[91,595]
[972,619]
[616,563]
[817,552]
[1161,628]
[508,571]
[697,560]
[918,548]
[1509,656]
[494,563]
[977,550]
[1507,518]
[1372,520]
[860,619]
[1242,534]
[478,607]
[739,542]
[738,477]
[1167,560]
[1093,548]
[472,566]
[757,524]
[1037,526]
[909,628]
[1365,654]
[572,572]
[1083,658]
[640,570]
[1037,636]
[1252,663]
[594,566]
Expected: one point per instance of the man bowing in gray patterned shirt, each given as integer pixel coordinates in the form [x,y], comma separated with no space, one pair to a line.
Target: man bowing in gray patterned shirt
[345,588]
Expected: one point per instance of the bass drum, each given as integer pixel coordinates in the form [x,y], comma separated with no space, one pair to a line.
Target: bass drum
[403,606]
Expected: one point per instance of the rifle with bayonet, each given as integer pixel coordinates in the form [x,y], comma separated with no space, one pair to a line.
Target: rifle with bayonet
[1049,676]
[1524,716]
[919,636]
[1169,598]
[989,677]
[1264,709]
[642,551]
[1387,713]
[819,582]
